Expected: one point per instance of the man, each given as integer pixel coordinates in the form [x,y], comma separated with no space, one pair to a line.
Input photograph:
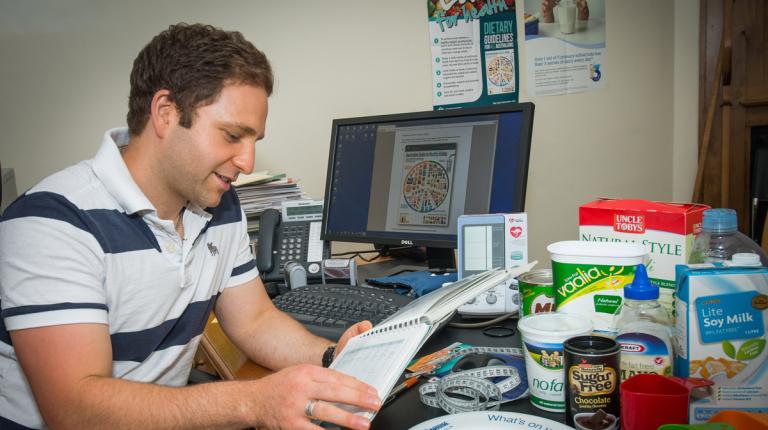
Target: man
[110,268]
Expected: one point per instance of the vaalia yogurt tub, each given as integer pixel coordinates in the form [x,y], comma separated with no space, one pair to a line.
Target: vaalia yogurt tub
[589,278]
[543,337]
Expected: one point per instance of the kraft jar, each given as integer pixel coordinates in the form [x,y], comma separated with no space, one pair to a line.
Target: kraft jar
[543,336]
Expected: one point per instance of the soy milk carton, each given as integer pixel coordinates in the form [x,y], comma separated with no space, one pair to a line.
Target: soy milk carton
[666,230]
[721,335]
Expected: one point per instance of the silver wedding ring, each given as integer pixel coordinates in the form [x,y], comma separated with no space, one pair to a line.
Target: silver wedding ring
[309,409]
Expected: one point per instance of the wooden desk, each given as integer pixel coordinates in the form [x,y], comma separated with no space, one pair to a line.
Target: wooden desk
[219,354]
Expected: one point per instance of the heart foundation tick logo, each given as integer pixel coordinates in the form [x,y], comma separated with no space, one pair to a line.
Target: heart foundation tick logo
[515,231]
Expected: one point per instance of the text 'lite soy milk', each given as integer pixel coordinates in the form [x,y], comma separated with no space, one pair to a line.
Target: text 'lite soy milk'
[720,334]
[667,231]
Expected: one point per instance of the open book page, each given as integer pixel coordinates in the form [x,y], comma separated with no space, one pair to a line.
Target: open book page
[455,297]
[420,308]
[434,307]
[379,358]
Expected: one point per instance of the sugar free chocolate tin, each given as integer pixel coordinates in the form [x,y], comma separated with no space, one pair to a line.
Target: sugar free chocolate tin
[592,382]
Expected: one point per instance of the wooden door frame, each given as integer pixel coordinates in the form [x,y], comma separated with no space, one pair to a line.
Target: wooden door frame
[741,100]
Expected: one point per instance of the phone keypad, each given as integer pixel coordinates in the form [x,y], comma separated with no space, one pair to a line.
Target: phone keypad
[293,244]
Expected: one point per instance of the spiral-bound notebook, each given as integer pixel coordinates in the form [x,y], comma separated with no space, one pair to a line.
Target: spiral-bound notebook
[379,356]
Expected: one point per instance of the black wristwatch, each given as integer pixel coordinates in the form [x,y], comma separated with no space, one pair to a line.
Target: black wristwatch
[328,355]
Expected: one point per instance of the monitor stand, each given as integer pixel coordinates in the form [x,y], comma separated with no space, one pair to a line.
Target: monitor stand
[439,260]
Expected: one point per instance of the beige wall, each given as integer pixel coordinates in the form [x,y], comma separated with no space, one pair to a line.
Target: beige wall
[65,67]
[685,99]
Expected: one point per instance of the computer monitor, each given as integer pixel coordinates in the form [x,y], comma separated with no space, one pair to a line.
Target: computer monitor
[404,179]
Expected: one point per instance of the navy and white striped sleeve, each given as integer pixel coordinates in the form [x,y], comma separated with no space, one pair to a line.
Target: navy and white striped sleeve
[51,264]
[245,265]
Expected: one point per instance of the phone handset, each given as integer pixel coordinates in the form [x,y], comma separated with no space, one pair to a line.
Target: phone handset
[268,223]
[291,235]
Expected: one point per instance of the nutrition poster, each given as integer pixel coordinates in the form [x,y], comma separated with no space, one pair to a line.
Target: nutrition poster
[474,52]
[564,46]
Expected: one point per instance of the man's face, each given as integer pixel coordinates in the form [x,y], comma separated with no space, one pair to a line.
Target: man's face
[203,160]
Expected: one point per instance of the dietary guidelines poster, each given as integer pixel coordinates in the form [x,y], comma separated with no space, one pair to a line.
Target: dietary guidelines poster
[474,52]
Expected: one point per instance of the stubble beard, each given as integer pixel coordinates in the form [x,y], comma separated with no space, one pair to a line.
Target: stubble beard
[184,176]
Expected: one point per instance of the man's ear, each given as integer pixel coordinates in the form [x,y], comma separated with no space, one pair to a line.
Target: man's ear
[163,112]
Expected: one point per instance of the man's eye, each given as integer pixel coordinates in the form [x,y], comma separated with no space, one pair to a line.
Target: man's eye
[231,137]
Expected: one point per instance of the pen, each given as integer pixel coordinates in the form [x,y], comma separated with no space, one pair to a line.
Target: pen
[408,383]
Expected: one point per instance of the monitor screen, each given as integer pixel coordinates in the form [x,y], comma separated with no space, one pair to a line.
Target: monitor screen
[404,179]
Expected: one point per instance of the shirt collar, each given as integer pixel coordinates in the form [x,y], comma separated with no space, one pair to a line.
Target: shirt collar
[199,211]
[110,168]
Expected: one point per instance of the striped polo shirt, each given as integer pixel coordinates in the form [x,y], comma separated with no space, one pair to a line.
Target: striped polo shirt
[85,245]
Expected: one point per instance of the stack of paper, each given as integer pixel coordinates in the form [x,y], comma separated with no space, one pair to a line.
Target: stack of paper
[261,190]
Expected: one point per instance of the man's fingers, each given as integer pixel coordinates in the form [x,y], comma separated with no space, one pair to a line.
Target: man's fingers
[329,380]
[330,413]
[357,329]
[364,326]
[360,395]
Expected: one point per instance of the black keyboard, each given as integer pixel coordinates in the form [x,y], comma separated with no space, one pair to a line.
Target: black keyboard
[328,310]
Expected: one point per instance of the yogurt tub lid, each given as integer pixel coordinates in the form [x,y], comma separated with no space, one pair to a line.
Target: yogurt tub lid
[556,324]
[597,249]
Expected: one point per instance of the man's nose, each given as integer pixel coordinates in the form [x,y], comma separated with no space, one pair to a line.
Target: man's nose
[245,158]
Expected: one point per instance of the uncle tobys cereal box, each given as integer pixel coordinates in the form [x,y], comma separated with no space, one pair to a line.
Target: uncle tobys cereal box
[666,229]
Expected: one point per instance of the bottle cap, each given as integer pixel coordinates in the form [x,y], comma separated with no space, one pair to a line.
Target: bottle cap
[641,287]
[720,220]
[745,259]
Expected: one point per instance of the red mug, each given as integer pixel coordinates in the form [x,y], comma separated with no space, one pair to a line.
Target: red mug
[649,400]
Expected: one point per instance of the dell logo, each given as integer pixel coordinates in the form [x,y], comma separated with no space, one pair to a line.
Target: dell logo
[406,242]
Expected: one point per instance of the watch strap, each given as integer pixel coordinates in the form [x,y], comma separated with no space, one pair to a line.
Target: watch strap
[328,355]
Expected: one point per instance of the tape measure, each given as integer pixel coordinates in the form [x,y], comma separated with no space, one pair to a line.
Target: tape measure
[477,389]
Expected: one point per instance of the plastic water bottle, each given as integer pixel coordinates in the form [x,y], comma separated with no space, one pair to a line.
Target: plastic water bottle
[719,239]
[644,330]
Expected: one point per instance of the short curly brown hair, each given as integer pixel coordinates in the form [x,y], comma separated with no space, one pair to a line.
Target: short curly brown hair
[193,62]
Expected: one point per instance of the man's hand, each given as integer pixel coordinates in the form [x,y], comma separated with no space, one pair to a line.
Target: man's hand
[283,396]
[359,328]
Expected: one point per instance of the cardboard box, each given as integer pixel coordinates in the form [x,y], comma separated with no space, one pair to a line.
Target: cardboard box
[720,334]
[666,229]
